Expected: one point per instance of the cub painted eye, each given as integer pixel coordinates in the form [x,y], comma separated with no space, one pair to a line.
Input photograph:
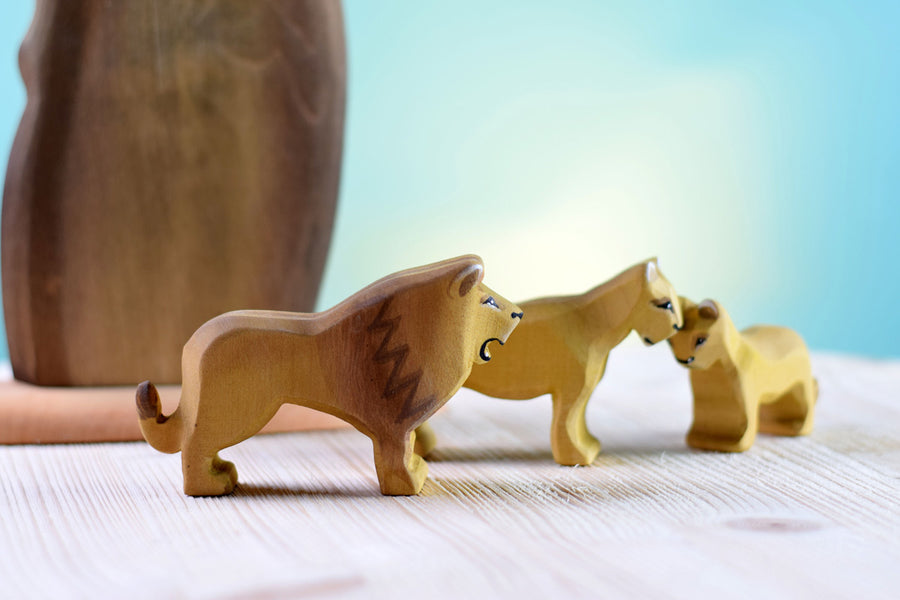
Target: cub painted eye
[490,302]
[700,341]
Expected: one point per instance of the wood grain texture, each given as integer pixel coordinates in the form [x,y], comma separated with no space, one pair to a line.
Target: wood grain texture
[384,360]
[743,382]
[791,518]
[562,347]
[177,159]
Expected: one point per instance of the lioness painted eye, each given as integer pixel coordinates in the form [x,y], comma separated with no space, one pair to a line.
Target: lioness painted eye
[490,302]
[700,341]
[664,304]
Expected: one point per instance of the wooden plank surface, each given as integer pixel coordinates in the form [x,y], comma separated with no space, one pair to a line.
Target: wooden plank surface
[812,517]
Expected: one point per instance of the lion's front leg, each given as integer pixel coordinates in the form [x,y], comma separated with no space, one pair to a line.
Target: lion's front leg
[401,472]
[723,423]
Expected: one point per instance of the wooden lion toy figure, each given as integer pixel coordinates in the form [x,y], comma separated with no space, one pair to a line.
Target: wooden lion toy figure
[562,346]
[758,379]
[383,360]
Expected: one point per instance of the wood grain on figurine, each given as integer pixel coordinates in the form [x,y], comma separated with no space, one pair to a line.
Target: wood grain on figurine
[757,379]
[562,346]
[383,360]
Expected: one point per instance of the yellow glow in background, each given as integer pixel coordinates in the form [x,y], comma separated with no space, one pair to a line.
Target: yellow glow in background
[754,148]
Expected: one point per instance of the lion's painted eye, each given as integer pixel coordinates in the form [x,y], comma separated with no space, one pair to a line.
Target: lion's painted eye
[699,342]
[664,304]
[490,302]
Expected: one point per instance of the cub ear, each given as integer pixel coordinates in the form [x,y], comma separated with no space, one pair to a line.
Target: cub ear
[467,279]
[709,309]
[652,272]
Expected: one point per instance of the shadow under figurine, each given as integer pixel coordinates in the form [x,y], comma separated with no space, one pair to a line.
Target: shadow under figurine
[384,360]
[757,379]
[562,347]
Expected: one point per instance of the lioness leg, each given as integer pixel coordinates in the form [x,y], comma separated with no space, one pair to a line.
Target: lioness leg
[570,439]
[401,472]
[205,474]
[723,424]
[426,439]
[792,413]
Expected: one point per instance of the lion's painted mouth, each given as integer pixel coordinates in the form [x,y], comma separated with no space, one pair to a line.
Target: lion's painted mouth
[483,353]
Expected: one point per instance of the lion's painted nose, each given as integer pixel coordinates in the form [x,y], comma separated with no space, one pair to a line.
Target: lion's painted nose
[518,315]
[685,362]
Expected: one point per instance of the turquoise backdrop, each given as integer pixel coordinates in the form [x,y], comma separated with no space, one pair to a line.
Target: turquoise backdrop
[755,148]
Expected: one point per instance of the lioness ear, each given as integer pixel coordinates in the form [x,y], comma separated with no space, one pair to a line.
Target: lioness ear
[652,271]
[467,279]
[709,310]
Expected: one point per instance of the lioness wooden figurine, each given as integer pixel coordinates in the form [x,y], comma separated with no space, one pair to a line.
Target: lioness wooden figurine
[562,347]
[758,379]
[384,360]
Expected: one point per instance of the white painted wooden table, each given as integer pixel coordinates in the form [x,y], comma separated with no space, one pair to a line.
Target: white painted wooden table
[815,517]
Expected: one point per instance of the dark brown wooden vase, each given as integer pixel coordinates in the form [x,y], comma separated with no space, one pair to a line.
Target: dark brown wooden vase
[176,159]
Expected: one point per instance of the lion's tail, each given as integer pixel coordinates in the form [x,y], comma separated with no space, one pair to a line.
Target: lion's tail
[160,431]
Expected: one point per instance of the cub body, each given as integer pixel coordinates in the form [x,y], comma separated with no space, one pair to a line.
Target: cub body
[384,360]
[758,379]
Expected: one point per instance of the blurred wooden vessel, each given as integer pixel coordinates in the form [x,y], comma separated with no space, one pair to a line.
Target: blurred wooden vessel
[176,160]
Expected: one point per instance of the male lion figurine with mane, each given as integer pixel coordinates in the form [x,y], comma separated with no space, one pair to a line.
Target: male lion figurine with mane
[383,360]
[757,379]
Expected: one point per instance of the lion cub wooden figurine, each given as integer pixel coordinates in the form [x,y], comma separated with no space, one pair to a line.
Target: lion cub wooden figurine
[562,347]
[758,379]
[383,360]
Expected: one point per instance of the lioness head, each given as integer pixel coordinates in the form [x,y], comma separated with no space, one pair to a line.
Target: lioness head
[657,313]
[702,340]
[487,316]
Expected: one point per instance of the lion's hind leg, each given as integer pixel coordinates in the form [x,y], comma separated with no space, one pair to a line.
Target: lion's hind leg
[205,474]
[426,439]
[570,439]
[792,412]
[401,472]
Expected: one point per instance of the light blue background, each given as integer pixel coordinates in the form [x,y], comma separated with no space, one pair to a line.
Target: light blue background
[754,147]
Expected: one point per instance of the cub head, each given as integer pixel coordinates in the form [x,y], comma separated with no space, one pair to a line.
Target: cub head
[487,316]
[703,339]
[657,313]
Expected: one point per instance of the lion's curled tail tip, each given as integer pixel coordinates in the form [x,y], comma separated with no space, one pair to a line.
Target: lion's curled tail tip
[162,432]
[147,399]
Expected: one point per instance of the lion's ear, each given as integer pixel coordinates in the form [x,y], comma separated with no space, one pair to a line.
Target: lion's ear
[467,279]
[708,309]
